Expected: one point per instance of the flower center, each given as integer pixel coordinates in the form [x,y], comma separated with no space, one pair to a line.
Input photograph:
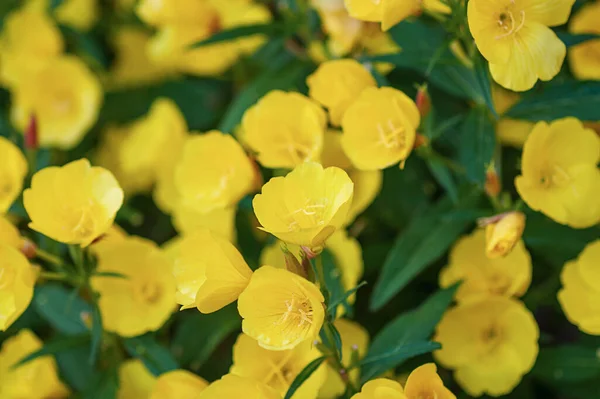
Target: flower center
[510,21]
[491,335]
[391,135]
[85,225]
[554,176]
[298,310]
[499,284]
[426,395]
[311,214]
[149,292]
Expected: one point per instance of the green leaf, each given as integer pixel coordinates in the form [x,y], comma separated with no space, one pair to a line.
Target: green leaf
[62,308]
[559,100]
[105,386]
[96,333]
[411,328]
[156,357]
[334,304]
[572,39]
[330,336]
[272,29]
[443,176]
[333,283]
[477,144]
[484,80]
[86,46]
[425,239]
[55,346]
[569,363]
[304,375]
[74,367]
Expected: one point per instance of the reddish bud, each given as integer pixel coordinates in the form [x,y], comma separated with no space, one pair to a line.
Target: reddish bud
[492,182]
[28,249]
[31,134]
[423,101]
[420,141]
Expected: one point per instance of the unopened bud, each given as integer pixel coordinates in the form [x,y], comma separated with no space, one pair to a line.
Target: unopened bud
[28,248]
[31,134]
[502,232]
[492,182]
[292,263]
[420,141]
[423,101]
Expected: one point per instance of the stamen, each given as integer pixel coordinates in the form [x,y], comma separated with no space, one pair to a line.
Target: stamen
[513,28]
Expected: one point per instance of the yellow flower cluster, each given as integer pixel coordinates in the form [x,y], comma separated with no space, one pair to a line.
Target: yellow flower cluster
[391,12]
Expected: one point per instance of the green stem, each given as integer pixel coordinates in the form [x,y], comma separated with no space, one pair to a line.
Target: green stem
[77,256]
[48,257]
[319,268]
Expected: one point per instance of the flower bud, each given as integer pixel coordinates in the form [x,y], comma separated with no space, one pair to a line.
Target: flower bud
[423,101]
[31,134]
[492,182]
[502,232]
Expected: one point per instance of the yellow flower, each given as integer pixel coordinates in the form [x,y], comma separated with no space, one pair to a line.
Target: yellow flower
[381,388]
[559,175]
[144,298]
[377,42]
[218,221]
[209,271]
[281,309]
[277,369]
[233,386]
[79,14]
[73,204]
[516,39]
[16,284]
[510,132]
[380,128]
[284,129]
[482,276]
[37,379]
[213,172]
[580,293]
[489,343]
[13,168]
[344,31]
[135,381]
[64,96]
[178,384]
[24,50]
[354,337]
[336,84]
[168,12]
[503,233]
[9,234]
[306,206]
[391,12]
[424,382]
[584,64]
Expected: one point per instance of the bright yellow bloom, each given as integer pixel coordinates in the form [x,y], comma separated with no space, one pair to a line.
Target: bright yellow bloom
[13,168]
[336,84]
[354,337]
[482,276]
[424,382]
[144,298]
[16,285]
[510,132]
[380,128]
[213,172]
[233,386]
[64,96]
[178,384]
[79,14]
[516,39]
[169,12]
[580,294]
[37,379]
[281,309]
[489,343]
[381,388]
[502,235]
[277,369]
[9,234]
[585,65]
[285,129]
[25,50]
[391,12]
[209,271]
[74,204]
[306,206]
[218,221]
[559,175]
[377,42]
[344,31]
[135,381]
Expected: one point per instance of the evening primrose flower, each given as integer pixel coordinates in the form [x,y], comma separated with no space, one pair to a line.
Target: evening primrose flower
[16,285]
[306,206]
[516,39]
[219,221]
[209,271]
[580,293]
[502,232]
[380,128]
[482,276]
[284,129]
[336,84]
[281,309]
[213,172]
[234,386]
[13,168]
[424,382]
[144,298]
[559,174]
[391,12]
[585,65]
[343,30]
[79,14]
[381,388]
[65,98]
[37,379]
[277,369]
[135,381]
[490,343]
[178,384]
[73,204]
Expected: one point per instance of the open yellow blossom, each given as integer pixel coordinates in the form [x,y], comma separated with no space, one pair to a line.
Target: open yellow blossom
[510,132]
[344,31]
[209,271]
[9,234]
[336,84]
[144,298]
[13,168]
[490,343]
[284,129]
[305,207]
[16,284]
[585,64]
[516,39]
[213,172]
[281,309]
[37,379]
[559,174]
[79,14]
[424,382]
[233,386]
[580,293]
[135,381]
[354,338]
[178,384]
[482,276]
[391,12]
[24,50]
[380,128]
[219,221]
[277,369]
[168,12]
[502,234]
[73,204]
[381,388]
[64,96]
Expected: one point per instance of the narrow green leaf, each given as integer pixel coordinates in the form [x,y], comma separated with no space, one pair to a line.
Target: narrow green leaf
[572,39]
[569,363]
[477,145]
[333,283]
[96,333]
[111,274]
[334,304]
[105,386]
[304,375]
[156,357]
[55,346]
[74,367]
[271,29]
[443,176]
[482,73]
[330,336]
[62,308]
